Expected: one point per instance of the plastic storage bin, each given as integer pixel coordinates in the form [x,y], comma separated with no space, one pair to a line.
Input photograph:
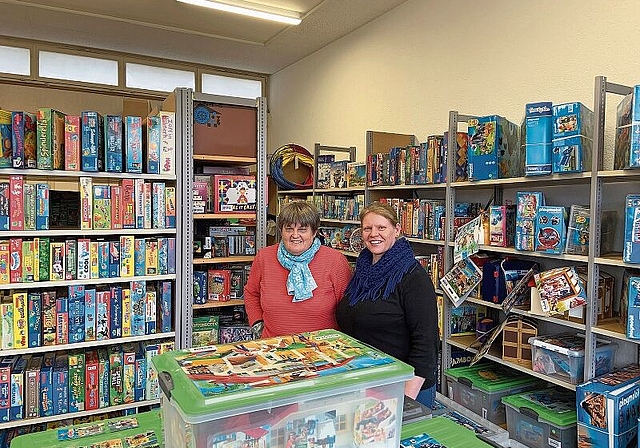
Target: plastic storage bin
[562,356]
[480,388]
[320,388]
[543,418]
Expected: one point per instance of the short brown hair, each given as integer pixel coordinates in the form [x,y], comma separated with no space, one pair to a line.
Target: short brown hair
[384,210]
[299,212]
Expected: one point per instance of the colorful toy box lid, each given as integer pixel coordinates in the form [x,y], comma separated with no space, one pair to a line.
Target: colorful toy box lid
[554,405]
[209,382]
[569,344]
[610,402]
[489,378]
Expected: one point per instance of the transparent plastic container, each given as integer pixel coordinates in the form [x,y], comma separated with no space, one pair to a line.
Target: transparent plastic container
[313,389]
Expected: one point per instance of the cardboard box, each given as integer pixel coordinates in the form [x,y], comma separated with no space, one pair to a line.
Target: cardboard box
[224,130]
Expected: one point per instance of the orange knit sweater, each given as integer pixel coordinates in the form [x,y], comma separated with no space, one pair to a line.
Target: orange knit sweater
[266,297]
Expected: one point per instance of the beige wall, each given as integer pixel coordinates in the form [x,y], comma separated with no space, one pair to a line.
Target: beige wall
[405,71]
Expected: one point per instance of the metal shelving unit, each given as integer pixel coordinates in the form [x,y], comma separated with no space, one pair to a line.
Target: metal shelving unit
[592,182]
[68,181]
[184,117]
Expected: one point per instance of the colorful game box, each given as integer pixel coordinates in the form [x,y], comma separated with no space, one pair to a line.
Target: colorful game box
[539,135]
[113,143]
[494,149]
[631,248]
[551,228]
[167,142]
[72,150]
[608,408]
[527,204]
[627,139]
[560,289]
[234,194]
[133,144]
[92,141]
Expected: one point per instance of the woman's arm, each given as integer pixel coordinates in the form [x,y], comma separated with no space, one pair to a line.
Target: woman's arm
[252,291]
[421,316]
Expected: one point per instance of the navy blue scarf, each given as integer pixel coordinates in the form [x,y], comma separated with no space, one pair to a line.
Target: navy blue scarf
[372,281]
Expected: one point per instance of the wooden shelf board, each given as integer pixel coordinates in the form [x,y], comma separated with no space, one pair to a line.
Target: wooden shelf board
[495,355]
[54,418]
[613,329]
[232,302]
[236,259]
[425,241]
[225,160]
[101,343]
[224,215]
[340,221]
[551,179]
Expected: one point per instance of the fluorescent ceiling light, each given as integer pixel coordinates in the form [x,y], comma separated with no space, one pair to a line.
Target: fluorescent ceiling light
[248,9]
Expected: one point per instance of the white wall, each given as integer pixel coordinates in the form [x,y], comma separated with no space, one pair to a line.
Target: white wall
[404,72]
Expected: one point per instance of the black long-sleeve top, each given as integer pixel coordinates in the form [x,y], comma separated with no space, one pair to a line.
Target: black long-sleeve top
[404,325]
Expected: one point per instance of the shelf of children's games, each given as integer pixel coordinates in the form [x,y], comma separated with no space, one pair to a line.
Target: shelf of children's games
[495,190]
[80,414]
[222,135]
[88,211]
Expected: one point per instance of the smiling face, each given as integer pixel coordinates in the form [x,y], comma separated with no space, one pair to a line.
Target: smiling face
[297,238]
[378,234]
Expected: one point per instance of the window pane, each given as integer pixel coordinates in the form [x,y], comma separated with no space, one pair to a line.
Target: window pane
[14,60]
[238,87]
[158,78]
[78,68]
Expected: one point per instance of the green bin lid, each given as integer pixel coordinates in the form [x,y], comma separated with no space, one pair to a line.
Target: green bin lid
[556,406]
[489,378]
[147,421]
[274,371]
[445,431]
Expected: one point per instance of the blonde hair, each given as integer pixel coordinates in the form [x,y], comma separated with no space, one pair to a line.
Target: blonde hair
[299,212]
[384,210]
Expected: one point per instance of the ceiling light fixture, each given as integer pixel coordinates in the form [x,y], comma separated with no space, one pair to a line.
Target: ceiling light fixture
[249,9]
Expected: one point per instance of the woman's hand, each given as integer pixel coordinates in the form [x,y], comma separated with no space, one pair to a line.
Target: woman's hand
[412,387]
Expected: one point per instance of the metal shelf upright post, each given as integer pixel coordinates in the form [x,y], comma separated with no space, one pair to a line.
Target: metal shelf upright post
[184,128]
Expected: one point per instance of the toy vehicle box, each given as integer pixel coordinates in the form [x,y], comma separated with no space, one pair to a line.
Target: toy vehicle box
[480,388]
[299,387]
[493,149]
[608,407]
[542,418]
[538,138]
[562,356]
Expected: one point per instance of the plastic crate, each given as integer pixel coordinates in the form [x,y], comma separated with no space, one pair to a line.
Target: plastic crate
[562,356]
[542,418]
[283,391]
[481,387]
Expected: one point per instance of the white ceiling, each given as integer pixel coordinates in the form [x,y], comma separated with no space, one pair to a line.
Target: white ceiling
[178,31]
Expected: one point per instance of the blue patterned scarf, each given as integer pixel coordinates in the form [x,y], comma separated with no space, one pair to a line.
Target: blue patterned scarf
[300,282]
[374,281]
